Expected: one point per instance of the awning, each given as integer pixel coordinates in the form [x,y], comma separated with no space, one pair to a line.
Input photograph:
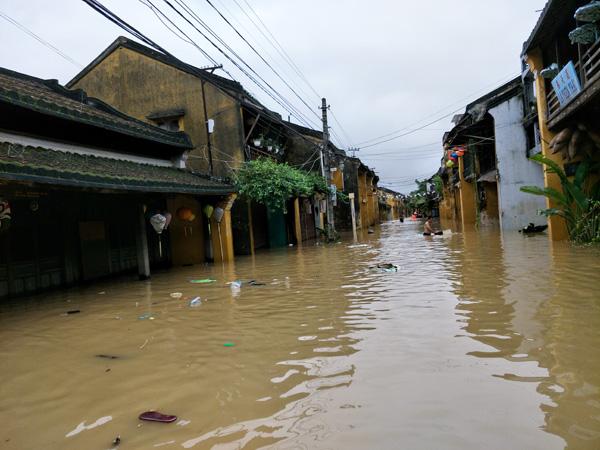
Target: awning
[60,168]
[490,177]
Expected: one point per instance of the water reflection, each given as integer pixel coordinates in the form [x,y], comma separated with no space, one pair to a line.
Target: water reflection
[290,337]
[473,336]
[536,305]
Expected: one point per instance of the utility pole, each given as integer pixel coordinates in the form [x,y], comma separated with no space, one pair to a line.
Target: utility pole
[326,171]
[353,150]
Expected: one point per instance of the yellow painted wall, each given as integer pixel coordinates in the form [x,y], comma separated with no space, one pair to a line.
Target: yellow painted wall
[337,178]
[363,200]
[448,208]
[468,199]
[491,196]
[557,228]
[138,86]
[370,202]
[187,238]
[222,233]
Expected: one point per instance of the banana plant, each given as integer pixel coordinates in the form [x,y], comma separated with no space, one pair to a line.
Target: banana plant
[576,201]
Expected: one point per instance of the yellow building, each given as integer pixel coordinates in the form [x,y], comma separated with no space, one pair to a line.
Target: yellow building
[549,53]
[390,204]
[226,124]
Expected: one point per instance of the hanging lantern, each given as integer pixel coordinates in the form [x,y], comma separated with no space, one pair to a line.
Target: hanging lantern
[454,155]
[158,222]
[219,214]
[589,12]
[169,217]
[450,164]
[5,215]
[460,153]
[208,210]
[185,214]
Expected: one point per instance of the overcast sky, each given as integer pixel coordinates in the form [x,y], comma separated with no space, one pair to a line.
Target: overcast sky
[384,65]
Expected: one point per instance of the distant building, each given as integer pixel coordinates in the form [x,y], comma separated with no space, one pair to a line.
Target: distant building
[483,188]
[348,174]
[390,204]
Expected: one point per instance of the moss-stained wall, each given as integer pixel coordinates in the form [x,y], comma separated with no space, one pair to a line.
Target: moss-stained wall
[139,86]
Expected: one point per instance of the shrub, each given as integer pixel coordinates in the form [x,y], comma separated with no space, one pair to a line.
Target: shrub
[273,184]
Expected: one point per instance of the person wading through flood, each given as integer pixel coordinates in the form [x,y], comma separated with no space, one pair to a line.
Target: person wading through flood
[428,229]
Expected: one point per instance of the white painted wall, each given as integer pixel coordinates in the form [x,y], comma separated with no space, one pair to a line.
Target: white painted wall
[517,208]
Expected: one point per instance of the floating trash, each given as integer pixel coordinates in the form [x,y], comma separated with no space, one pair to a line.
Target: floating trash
[358,246]
[107,356]
[205,281]
[196,301]
[385,267]
[73,311]
[176,294]
[146,316]
[155,416]
[256,283]
[228,344]
[235,284]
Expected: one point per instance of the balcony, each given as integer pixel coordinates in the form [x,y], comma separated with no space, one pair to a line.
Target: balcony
[588,68]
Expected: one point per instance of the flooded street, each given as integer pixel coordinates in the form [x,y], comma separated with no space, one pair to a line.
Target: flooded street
[477,341]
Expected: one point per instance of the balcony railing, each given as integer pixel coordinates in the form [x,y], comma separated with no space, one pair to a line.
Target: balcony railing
[588,73]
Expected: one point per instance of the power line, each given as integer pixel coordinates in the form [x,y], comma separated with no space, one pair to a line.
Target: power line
[40,39]
[346,135]
[261,57]
[286,104]
[157,12]
[263,49]
[431,115]
[279,48]
[97,6]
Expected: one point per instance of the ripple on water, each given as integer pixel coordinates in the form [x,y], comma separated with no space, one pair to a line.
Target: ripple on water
[525,316]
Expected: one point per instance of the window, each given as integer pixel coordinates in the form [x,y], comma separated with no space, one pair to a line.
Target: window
[168,124]
[170,120]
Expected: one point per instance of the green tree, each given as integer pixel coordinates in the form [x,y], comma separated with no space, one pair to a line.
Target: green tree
[272,184]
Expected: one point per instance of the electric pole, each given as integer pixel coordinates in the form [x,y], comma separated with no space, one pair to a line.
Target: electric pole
[326,171]
[353,150]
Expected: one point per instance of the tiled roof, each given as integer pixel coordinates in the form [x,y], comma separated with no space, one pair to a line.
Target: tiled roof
[48,97]
[42,165]
[226,84]
[305,131]
[554,15]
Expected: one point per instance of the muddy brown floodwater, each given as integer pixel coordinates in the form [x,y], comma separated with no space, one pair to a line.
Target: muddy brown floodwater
[476,342]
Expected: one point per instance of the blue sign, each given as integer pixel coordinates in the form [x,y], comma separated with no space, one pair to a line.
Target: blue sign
[566,84]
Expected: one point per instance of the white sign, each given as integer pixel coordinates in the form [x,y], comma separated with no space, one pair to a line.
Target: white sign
[333,193]
[566,84]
